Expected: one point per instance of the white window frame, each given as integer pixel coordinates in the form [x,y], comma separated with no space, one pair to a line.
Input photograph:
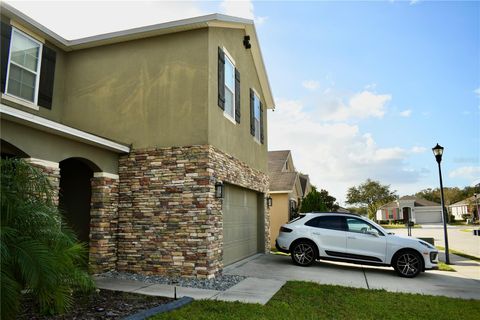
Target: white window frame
[230,59]
[37,73]
[257,132]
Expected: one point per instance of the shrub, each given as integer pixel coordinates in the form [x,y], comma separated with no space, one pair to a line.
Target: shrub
[39,255]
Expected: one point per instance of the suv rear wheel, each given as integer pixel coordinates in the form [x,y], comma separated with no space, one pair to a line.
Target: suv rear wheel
[408,264]
[304,253]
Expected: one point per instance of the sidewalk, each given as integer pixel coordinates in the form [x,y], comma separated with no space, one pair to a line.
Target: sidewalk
[250,290]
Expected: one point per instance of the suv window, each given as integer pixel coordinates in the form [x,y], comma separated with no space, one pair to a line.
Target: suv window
[327,222]
[360,226]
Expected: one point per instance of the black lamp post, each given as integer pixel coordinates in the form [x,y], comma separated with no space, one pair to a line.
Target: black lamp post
[438,152]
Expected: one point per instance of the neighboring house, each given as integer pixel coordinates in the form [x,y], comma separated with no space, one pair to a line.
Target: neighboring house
[305,183]
[419,210]
[137,130]
[466,206]
[287,188]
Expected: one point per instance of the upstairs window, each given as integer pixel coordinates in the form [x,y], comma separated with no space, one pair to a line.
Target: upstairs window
[256,116]
[228,86]
[24,67]
[27,68]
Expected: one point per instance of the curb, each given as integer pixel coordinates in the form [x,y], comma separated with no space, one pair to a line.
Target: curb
[160,309]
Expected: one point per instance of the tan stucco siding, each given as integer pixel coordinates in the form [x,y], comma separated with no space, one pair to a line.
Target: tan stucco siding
[278,214]
[235,139]
[150,92]
[45,146]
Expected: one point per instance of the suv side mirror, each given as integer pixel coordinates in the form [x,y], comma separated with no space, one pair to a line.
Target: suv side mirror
[373,232]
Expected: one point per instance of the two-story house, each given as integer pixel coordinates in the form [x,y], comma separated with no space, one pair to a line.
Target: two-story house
[155,138]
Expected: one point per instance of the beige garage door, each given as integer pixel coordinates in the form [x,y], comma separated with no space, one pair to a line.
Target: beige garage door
[240,224]
[428,217]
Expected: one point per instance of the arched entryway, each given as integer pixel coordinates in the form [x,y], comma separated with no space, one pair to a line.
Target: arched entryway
[75,195]
[8,150]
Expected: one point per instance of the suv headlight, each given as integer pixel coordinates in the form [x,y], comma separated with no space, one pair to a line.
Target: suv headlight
[426,244]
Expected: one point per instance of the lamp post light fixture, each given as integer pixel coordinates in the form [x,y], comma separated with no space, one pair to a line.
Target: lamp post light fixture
[438,152]
[476,204]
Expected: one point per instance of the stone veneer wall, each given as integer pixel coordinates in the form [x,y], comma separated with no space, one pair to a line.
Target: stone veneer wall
[103,224]
[170,222]
[52,171]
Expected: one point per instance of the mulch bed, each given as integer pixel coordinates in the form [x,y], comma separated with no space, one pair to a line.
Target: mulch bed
[105,304]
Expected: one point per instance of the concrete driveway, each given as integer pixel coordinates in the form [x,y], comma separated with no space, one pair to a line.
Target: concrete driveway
[281,268]
[457,239]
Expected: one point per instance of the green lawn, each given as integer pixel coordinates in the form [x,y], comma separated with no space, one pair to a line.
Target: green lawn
[306,300]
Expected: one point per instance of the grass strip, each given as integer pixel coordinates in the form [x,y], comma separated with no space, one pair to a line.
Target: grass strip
[307,300]
[459,253]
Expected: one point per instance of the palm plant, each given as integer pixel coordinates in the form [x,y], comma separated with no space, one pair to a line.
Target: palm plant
[39,255]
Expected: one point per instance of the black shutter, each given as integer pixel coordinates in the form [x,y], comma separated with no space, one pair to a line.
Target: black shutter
[252,113]
[47,75]
[6,31]
[221,79]
[237,96]
[261,122]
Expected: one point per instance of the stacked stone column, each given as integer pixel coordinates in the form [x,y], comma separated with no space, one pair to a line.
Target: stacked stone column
[103,222]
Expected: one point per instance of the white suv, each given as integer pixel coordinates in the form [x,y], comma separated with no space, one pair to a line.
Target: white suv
[352,238]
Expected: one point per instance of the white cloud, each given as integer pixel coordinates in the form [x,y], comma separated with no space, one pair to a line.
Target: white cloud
[311,84]
[370,86]
[418,149]
[406,113]
[67,18]
[477,91]
[242,9]
[336,155]
[469,173]
[362,105]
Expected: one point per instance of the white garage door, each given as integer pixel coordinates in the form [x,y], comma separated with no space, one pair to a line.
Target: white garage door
[428,217]
[240,224]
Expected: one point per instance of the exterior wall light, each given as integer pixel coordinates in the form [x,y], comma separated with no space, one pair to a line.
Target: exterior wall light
[219,190]
[269,201]
[246,42]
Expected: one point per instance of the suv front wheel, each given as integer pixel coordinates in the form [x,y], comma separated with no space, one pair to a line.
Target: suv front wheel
[304,253]
[408,264]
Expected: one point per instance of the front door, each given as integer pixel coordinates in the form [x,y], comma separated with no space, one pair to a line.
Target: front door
[364,241]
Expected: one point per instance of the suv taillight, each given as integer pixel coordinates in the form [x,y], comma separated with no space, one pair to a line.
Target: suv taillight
[283,229]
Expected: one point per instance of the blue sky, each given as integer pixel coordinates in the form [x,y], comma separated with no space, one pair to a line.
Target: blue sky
[363,89]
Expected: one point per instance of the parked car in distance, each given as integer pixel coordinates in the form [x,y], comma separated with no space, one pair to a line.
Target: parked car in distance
[355,239]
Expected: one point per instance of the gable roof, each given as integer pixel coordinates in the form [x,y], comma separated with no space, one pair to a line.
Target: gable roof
[303,181]
[283,181]
[418,202]
[277,159]
[212,20]
[464,202]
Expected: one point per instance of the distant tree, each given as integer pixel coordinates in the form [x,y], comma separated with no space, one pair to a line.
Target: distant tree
[451,194]
[358,210]
[318,201]
[370,195]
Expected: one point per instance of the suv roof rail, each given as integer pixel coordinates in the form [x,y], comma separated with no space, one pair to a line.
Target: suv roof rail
[350,213]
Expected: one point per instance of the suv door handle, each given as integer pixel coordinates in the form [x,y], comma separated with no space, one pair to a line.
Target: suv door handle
[352,237]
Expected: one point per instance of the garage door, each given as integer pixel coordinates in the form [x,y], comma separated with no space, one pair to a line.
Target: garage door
[428,217]
[240,224]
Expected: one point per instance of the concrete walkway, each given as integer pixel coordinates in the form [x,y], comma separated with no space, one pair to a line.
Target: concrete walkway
[250,290]
[266,274]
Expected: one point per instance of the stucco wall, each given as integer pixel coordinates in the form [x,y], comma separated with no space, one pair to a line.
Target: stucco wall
[150,92]
[278,214]
[46,146]
[234,138]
